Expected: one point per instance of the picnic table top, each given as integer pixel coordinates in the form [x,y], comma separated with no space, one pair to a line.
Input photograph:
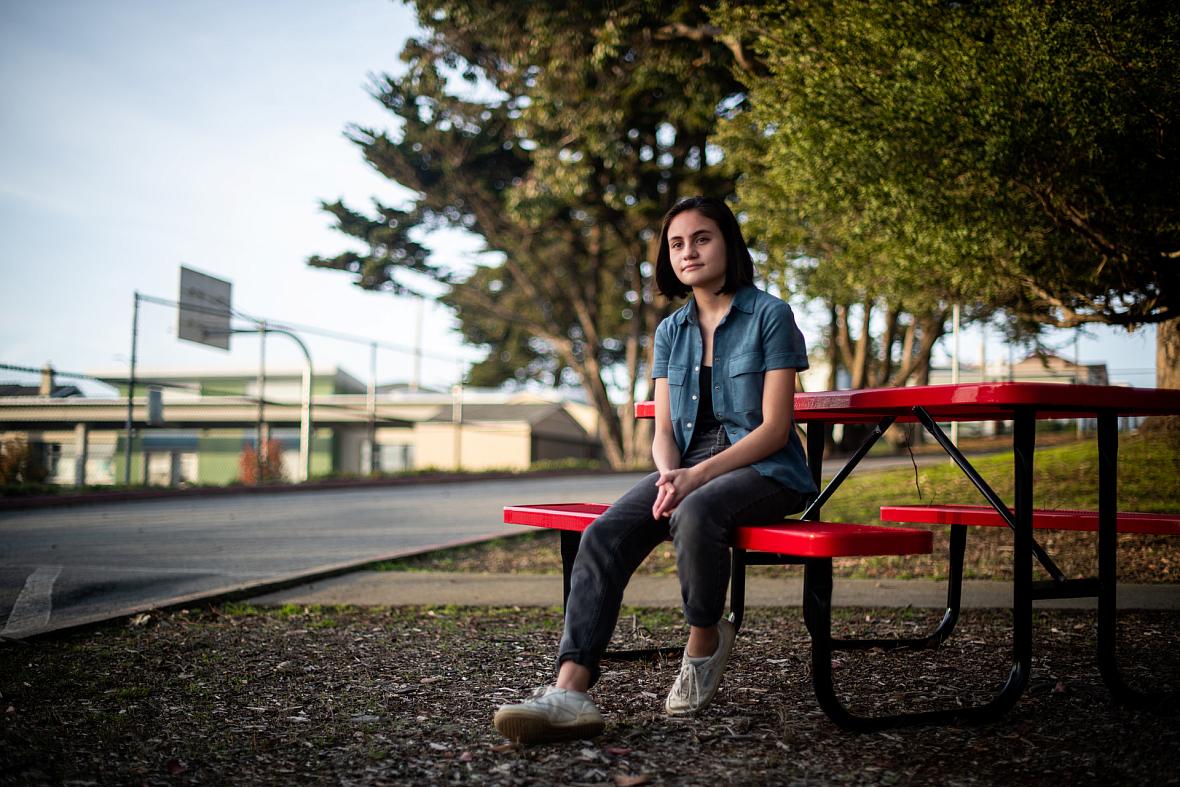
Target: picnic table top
[975,402]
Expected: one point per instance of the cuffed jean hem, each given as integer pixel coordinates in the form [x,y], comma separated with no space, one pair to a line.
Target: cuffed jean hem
[583,659]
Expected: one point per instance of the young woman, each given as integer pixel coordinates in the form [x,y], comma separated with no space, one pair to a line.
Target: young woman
[726,452]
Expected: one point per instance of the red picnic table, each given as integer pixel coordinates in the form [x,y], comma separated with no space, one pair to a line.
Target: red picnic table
[1023,404]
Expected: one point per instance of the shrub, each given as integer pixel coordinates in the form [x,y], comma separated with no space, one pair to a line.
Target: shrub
[20,464]
[272,463]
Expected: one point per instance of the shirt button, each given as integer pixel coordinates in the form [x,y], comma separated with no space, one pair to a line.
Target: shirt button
[689,424]
[694,397]
[696,368]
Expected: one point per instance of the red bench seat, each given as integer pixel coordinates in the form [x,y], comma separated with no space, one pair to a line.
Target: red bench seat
[1043,519]
[793,537]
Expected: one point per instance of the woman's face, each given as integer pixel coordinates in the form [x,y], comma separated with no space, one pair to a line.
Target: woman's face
[697,251]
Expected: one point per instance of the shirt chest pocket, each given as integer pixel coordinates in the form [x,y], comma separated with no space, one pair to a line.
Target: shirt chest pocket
[677,380]
[745,382]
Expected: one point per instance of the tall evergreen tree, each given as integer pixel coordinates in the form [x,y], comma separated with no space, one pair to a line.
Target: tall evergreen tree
[559,134]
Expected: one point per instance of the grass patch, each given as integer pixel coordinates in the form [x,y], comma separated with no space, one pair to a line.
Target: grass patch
[1066,476]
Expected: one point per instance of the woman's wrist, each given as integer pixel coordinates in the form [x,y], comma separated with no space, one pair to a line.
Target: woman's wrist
[701,474]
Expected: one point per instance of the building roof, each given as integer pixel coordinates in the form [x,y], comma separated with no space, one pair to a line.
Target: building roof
[406,388]
[59,391]
[345,382]
[529,413]
[1048,359]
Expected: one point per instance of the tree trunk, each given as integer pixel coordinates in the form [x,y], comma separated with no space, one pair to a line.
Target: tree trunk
[888,338]
[1167,354]
[932,327]
[862,358]
[1167,375]
[833,347]
[610,429]
[833,373]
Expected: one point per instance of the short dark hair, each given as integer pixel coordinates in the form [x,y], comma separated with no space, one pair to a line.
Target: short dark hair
[739,265]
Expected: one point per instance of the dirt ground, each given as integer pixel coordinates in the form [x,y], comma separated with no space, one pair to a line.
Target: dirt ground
[239,695]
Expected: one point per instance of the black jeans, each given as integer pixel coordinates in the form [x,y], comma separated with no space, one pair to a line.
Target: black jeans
[701,528]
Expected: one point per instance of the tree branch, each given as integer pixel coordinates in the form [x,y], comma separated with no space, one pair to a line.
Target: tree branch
[707,34]
[1070,317]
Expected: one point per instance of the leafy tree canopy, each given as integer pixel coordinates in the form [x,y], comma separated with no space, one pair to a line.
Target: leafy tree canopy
[1015,153]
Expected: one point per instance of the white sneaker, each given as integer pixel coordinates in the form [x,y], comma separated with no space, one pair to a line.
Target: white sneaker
[697,683]
[551,714]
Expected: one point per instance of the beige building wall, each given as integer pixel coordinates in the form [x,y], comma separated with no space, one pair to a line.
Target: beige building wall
[480,446]
[349,448]
[1055,369]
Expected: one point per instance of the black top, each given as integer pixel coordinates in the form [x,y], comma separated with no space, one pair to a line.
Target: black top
[706,420]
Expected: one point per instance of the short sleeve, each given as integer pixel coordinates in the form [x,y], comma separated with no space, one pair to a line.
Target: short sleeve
[782,341]
[659,364]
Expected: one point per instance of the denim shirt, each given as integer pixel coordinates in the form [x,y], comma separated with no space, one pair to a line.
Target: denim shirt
[758,333]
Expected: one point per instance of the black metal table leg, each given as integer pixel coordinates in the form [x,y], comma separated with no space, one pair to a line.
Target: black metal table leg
[570,541]
[817,614]
[950,618]
[1108,662]
[815,446]
[815,460]
[1024,445]
[817,594]
[737,588]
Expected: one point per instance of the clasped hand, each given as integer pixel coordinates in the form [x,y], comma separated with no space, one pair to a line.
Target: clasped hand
[672,487]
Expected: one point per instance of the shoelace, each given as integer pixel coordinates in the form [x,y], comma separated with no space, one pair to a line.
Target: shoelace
[688,687]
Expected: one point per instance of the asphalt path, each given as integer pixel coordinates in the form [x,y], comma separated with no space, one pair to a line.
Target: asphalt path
[65,567]
[69,566]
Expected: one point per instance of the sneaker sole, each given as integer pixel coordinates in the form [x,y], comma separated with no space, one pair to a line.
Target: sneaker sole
[533,729]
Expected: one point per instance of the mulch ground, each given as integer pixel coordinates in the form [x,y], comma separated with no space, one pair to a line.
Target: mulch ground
[405,696]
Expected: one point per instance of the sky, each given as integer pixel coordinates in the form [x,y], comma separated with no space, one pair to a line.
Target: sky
[140,136]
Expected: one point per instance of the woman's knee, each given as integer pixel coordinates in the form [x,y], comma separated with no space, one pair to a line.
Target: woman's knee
[597,541]
[693,523]
[617,539]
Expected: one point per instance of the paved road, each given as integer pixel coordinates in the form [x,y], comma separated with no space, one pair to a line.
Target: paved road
[62,567]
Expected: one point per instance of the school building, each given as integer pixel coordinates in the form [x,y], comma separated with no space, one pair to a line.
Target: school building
[205,419]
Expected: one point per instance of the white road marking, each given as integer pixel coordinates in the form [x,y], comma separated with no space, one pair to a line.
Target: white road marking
[33,605]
